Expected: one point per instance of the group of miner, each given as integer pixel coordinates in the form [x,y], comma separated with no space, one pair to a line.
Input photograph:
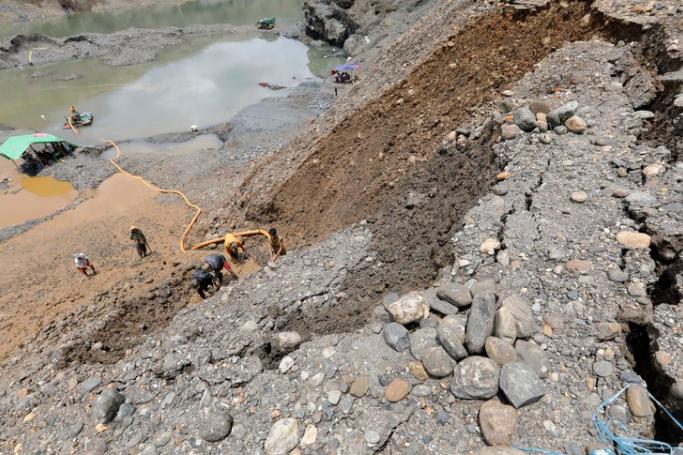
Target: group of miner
[210,273]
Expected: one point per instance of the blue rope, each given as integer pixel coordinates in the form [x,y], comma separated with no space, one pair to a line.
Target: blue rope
[609,431]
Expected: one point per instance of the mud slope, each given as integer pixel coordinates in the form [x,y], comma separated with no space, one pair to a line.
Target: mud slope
[389,163]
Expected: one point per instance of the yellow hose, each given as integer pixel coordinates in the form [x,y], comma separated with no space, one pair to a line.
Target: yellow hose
[198,210]
[161,190]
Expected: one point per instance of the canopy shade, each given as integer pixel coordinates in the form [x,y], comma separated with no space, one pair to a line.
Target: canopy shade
[15,145]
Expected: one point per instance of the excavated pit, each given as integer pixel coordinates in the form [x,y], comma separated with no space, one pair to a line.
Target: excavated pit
[388,165]
[642,345]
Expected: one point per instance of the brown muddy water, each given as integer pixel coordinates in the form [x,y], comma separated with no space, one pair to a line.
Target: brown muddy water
[24,198]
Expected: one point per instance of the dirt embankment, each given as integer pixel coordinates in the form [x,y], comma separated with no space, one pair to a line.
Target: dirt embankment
[388,163]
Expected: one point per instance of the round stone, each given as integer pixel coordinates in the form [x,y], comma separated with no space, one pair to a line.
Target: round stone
[372,437]
[215,425]
[397,390]
[602,368]
[578,196]
[634,240]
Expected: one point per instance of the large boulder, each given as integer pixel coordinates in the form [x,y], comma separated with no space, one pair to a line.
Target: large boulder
[409,308]
[520,384]
[560,115]
[475,378]
[451,335]
[283,437]
[533,356]
[421,340]
[521,312]
[437,362]
[497,422]
[107,404]
[396,336]
[480,322]
[455,294]
[328,22]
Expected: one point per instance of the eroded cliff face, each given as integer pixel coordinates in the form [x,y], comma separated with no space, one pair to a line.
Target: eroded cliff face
[347,23]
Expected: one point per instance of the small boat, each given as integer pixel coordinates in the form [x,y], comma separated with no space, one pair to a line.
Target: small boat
[85,119]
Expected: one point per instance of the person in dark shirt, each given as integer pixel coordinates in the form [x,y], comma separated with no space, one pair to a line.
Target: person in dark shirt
[201,280]
[216,263]
[141,244]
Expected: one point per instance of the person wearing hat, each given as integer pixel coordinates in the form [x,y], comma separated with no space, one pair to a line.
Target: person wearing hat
[83,263]
[141,244]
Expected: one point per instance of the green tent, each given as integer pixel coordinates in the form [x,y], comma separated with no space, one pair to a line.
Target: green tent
[15,146]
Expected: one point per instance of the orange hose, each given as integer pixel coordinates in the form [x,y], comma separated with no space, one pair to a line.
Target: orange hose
[198,210]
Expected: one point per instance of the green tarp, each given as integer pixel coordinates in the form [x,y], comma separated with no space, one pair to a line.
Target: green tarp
[15,145]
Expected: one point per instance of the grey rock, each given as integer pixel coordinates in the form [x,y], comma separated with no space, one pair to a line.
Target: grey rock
[286,341]
[437,362]
[521,311]
[524,119]
[372,437]
[560,129]
[480,322]
[451,335]
[608,330]
[509,131]
[455,294]
[631,377]
[396,336]
[500,350]
[334,396]
[520,384]
[640,198]
[214,425]
[486,286]
[89,384]
[421,340]
[161,438]
[475,378]
[125,410]
[95,446]
[381,314]
[603,368]
[644,115]
[505,325]
[533,356]
[442,307]
[283,437]
[617,275]
[558,116]
[107,404]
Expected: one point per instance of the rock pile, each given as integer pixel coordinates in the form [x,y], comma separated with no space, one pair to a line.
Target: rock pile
[473,337]
[537,117]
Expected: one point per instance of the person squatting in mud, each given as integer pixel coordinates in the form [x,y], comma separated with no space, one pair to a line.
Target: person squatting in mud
[216,263]
[141,244]
[83,264]
[234,248]
[277,246]
[202,281]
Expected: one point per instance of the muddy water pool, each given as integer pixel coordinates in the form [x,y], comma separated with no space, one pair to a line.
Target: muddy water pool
[202,83]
